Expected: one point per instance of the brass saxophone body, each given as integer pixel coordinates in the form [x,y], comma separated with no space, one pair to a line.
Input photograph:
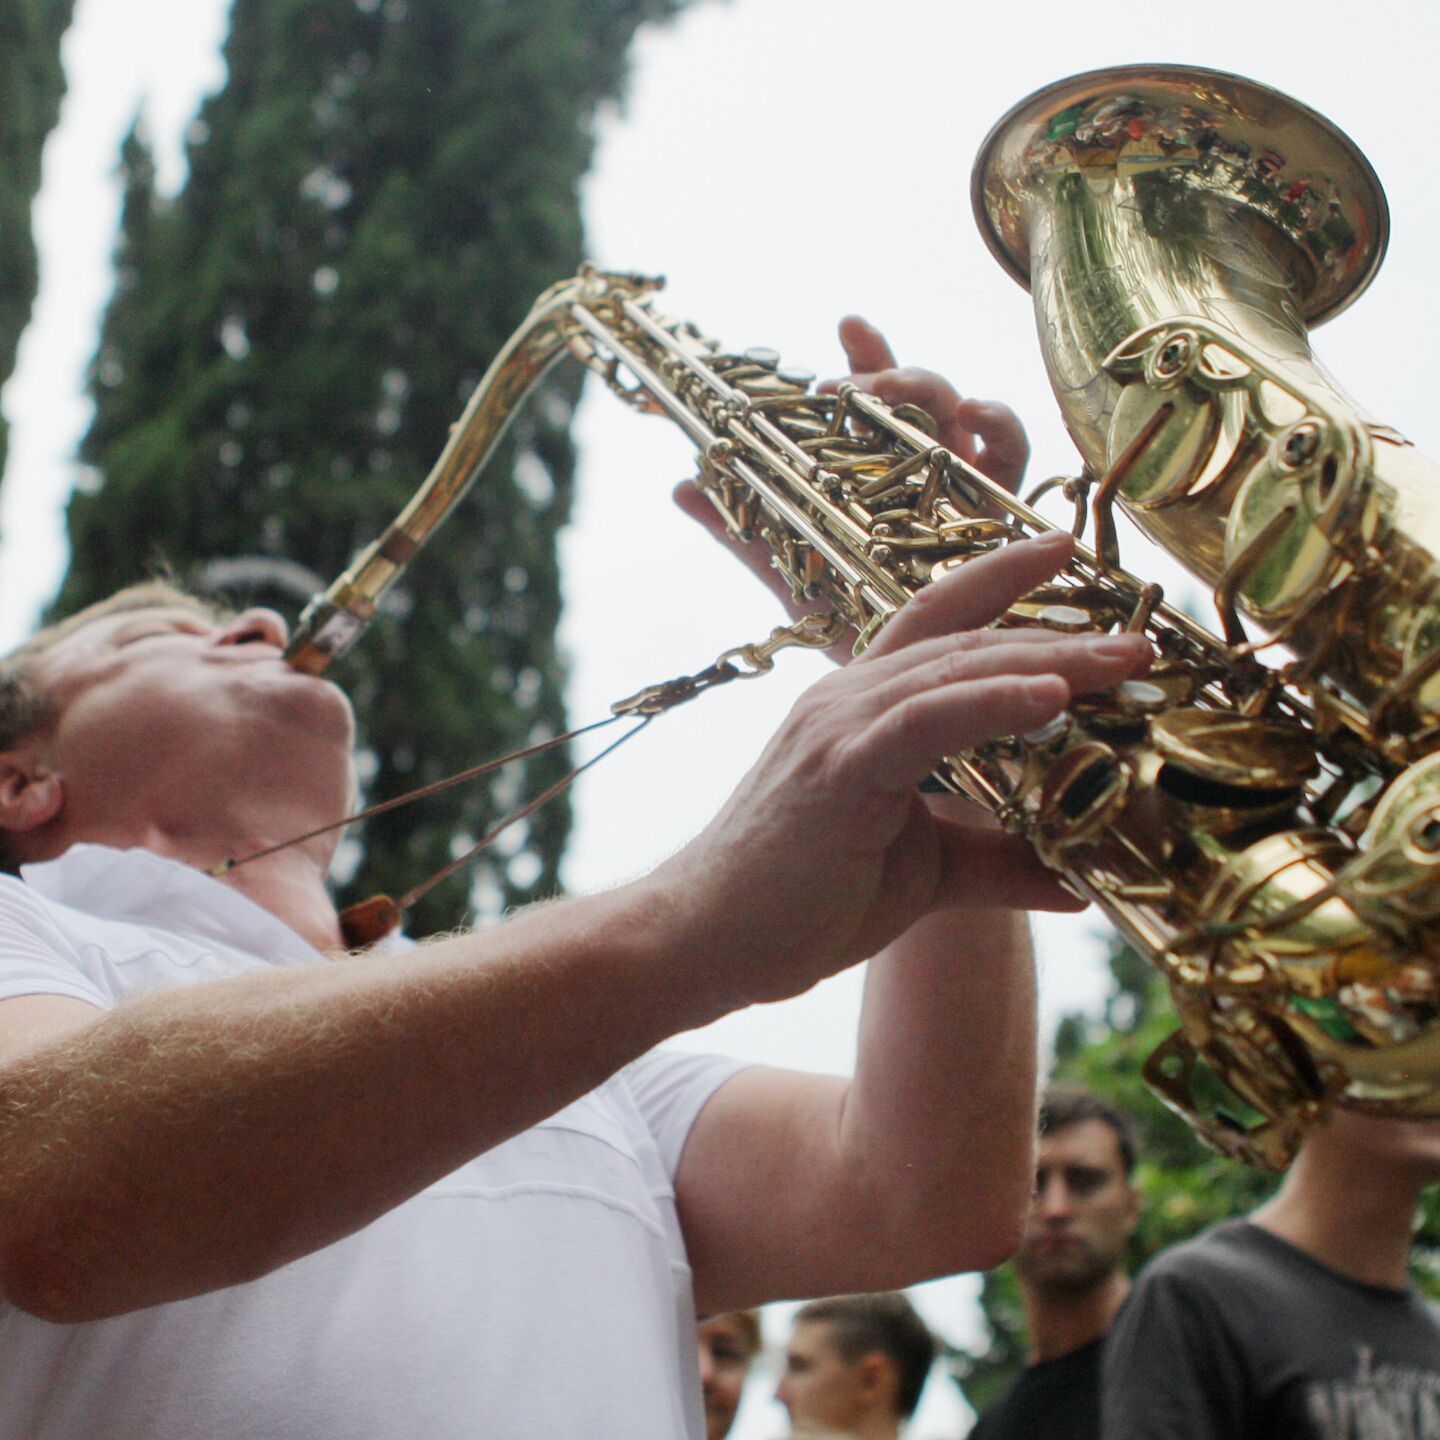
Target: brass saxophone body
[1267,834]
[1179,229]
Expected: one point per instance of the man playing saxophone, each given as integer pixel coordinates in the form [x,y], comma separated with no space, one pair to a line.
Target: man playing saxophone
[254,1188]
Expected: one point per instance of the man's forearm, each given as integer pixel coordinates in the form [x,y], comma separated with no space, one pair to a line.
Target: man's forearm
[201,1137]
[941,1111]
[918,1167]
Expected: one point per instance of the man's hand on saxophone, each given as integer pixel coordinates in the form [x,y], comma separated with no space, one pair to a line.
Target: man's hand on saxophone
[828,854]
[793,1180]
[863,856]
[983,433]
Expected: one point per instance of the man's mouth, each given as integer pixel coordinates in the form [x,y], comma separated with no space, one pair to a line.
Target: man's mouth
[1055,1244]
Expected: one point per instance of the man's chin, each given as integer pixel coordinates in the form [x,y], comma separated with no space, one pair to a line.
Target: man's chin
[321,709]
[1071,1273]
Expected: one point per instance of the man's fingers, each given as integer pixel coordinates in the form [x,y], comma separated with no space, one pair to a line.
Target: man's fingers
[965,426]
[965,700]
[1007,451]
[865,347]
[909,385]
[755,553]
[692,500]
[881,667]
[902,744]
[977,593]
[880,671]
[1087,664]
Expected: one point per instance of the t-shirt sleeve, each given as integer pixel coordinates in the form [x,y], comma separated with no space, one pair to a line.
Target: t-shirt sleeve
[35,957]
[670,1088]
[1170,1369]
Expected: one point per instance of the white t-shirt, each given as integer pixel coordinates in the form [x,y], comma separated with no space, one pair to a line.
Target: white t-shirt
[541,1290]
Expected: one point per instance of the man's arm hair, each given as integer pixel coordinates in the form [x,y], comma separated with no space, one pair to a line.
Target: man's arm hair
[201,1137]
[204,1136]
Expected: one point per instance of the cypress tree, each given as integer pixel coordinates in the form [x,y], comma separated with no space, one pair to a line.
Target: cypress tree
[374,199]
[32,85]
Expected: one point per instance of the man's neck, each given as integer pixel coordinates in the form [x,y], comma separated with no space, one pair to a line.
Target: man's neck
[1059,1322]
[295,891]
[1363,1231]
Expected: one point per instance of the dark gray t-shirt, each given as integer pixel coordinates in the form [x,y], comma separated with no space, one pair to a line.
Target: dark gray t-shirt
[1240,1336]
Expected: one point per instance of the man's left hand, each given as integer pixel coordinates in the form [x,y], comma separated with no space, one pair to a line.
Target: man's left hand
[983,433]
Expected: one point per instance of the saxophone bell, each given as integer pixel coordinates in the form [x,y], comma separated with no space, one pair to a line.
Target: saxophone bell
[1179,229]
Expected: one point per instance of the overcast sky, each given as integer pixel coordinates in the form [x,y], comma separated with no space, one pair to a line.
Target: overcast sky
[783,162]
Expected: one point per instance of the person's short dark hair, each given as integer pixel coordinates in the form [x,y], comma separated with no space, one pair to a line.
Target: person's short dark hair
[747,1322]
[1064,1105]
[887,1322]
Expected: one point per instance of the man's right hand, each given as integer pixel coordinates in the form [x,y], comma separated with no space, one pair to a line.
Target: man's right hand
[826,851]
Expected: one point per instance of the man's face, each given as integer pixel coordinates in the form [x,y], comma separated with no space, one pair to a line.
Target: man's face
[1083,1212]
[162,712]
[724,1363]
[822,1390]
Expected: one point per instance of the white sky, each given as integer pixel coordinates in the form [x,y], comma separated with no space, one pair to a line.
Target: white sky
[783,161]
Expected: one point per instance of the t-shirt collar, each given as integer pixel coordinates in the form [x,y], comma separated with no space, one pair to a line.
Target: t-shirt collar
[150,889]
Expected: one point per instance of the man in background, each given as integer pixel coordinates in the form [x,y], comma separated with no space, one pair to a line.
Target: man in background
[855,1367]
[1300,1321]
[1070,1267]
[728,1345]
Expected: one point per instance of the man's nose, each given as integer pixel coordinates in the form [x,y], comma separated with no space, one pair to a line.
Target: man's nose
[256,624]
[1052,1197]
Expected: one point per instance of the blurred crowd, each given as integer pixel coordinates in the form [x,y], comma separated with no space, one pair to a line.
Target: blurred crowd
[1297,1322]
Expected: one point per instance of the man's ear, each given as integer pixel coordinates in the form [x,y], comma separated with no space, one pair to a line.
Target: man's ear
[876,1373]
[31,794]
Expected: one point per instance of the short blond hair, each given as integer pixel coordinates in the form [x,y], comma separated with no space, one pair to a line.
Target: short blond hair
[24,706]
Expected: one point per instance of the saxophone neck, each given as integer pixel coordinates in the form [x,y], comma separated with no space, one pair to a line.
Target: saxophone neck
[336,619]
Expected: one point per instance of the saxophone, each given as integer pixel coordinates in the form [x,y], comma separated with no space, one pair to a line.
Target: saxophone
[1267,834]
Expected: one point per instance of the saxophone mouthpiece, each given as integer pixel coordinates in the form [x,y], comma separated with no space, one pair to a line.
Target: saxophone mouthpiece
[325,632]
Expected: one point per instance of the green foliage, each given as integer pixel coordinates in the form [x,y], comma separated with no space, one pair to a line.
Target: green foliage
[1186,1187]
[986,1373]
[31,87]
[374,199]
